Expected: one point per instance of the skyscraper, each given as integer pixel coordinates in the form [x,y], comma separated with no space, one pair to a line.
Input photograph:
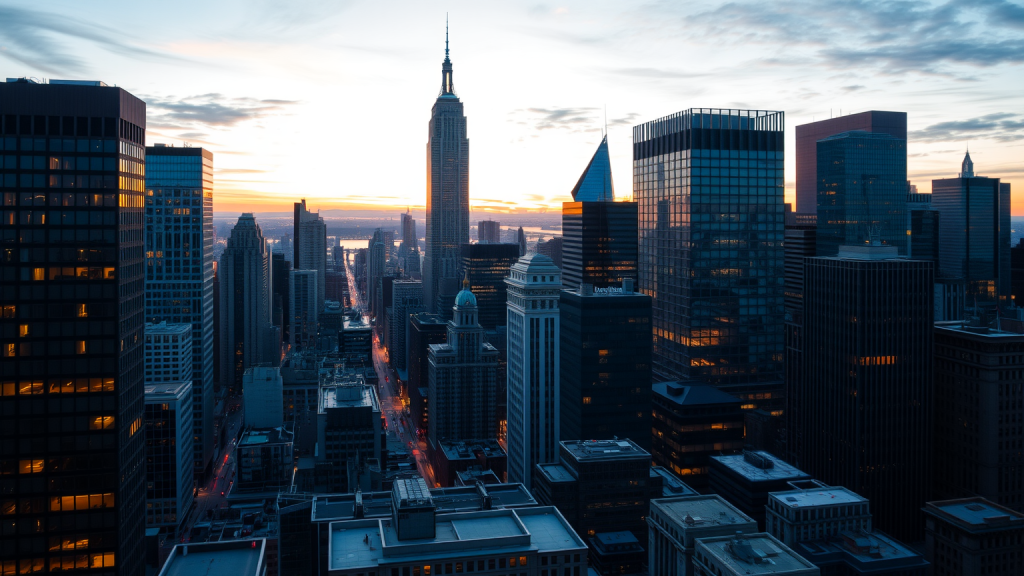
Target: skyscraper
[974,233]
[71,329]
[862,191]
[376,262]
[461,374]
[406,299]
[599,243]
[865,386]
[170,446]
[447,192]
[709,183]
[595,184]
[605,364]
[488,232]
[311,247]
[409,249]
[534,395]
[245,300]
[978,400]
[179,267]
[486,266]
[807,136]
[302,286]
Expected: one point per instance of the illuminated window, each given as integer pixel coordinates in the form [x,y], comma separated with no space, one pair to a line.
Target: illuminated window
[81,502]
[9,311]
[38,274]
[101,423]
[9,350]
[30,466]
[82,312]
[80,347]
[586,399]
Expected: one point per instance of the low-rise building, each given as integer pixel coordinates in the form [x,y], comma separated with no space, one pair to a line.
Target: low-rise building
[974,536]
[169,447]
[348,434]
[418,541]
[746,479]
[264,461]
[231,558]
[676,524]
[746,554]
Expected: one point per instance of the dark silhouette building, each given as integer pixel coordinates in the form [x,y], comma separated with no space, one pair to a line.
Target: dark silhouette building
[978,399]
[714,269]
[1017,272]
[486,266]
[447,194]
[488,231]
[746,480]
[599,243]
[424,329]
[974,536]
[974,233]
[691,423]
[808,135]
[865,390]
[552,249]
[605,364]
[72,463]
[862,191]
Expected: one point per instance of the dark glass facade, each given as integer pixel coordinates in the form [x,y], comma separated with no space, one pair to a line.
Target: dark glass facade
[924,234]
[691,424]
[866,390]
[599,243]
[72,490]
[486,266]
[424,329]
[709,184]
[179,267]
[974,235]
[1017,272]
[807,136]
[605,366]
[862,191]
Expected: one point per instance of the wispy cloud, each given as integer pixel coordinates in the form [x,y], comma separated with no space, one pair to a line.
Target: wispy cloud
[573,119]
[41,41]
[1001,127]
[211,110]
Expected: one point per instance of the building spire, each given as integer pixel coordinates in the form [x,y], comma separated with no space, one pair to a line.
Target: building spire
[446,37]
[447,86]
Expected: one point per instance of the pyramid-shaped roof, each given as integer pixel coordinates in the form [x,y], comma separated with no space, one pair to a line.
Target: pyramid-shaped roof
[595,185]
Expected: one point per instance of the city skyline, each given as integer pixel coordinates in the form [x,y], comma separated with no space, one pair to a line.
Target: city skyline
[252,87]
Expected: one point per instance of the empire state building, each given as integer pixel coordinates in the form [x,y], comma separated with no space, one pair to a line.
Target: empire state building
[447,195]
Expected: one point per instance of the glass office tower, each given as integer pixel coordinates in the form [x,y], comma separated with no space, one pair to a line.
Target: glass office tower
[179,267]
[862,191]
[486,267]
[709,183]
[599,243]
[72,464]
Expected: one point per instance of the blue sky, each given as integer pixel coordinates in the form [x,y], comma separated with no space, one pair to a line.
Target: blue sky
[330,100]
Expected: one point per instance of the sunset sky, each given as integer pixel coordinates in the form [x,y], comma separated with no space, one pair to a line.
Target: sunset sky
[329,100]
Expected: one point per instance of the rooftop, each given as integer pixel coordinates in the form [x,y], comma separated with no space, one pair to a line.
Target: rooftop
[165,328]
[446,500]
[975,514]
[165,391]
[827,496]
[754,554]
[231,558]
[348,396]
[590,450]
[467,449]
[988,333]
[366,543]
[359,323]
[256,436]
[692,395]
[866,550]
[695,512]
[672,485]
[556,472]
[760,467]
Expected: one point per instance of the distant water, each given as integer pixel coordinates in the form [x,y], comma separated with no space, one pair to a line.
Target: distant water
[1016,229]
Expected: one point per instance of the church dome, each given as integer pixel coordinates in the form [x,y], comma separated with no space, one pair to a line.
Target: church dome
[465,298]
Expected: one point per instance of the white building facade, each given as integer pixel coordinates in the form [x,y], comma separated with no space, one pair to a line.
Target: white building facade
[534,284]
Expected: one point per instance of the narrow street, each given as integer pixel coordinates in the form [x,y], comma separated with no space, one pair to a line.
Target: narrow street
[392,404]
[214,493]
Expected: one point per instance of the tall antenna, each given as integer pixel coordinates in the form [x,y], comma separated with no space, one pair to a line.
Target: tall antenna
[606,120]
[445,35]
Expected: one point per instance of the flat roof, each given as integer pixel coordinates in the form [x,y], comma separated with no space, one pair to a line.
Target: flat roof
[672,485]
[703,511]
[589,450]
[977,332]
[328,507]
[780,470]
[165,391]
[556,472]
[165,328]
[975,514]
[777,558]
[693,395]
[367,543]
[871,549]
[230,558]
[348,396]
[826,496]
[256,436]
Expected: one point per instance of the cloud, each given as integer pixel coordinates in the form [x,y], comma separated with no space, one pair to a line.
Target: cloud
[40,40]
[838,34]
[572,119]
[240,171]
[1001,127]
[210,110]
[658,73]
